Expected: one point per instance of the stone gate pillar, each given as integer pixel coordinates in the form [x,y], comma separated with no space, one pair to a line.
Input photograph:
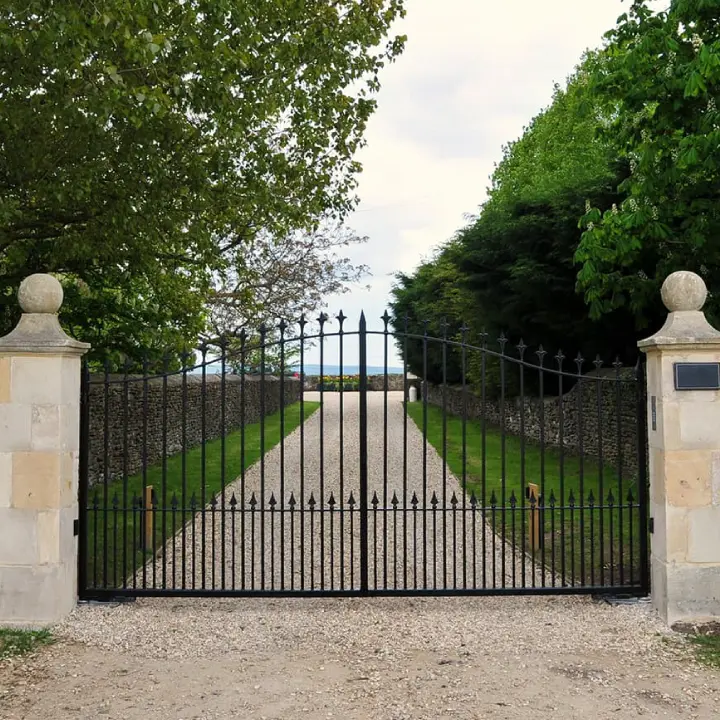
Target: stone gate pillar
[683,384]
[39,451]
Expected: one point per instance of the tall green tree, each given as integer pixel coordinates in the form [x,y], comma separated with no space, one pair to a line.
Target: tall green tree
[658,84]
[144,143]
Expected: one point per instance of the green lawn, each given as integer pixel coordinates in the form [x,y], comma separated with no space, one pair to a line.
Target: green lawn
[115,538]
[707,649]
[580,542]
[15,642]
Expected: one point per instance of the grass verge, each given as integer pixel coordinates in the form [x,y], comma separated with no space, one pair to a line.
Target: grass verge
[115,517]
[15,642]
[592,541]
[707,649]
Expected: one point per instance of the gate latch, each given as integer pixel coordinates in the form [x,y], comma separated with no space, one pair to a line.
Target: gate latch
[76,527]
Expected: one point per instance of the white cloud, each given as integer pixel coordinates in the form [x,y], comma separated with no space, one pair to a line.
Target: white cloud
[473,74]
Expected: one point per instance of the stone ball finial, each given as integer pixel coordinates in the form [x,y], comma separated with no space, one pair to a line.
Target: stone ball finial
[684,291]
[40,293]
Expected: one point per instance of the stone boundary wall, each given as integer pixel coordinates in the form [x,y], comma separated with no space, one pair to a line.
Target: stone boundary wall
[576,414]
[132,423]
[376,383]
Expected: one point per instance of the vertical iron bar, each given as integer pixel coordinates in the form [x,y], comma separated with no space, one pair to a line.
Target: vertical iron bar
[426,390]
[243,406]
[386,318]
[106,470]
[146,541]
[581,461]
[503,461]
[233,545]
[375,502]
[173,528]
[464,457]
[395,545]
[434,504]
[621,496]
[203,464]
[363,456]
[351,505]
[341,498]
[262,456]
[302,453]
[541,358]
[483,469]
[166,370]
[331,505]
[115,539]
[183,498]
[282,455]
[444,454]
[406,391]
[572,543]
[473,506]
[453,502]
[223,389]
[601,479]
[561,414]
[611,504]
[292,541]
[253,504]
[311,505]
[591,506]
[322,452]
[272,540]
[126,422]
[523,560]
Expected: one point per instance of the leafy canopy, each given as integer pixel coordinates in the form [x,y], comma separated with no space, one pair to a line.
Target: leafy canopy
[658,85]
[144,142]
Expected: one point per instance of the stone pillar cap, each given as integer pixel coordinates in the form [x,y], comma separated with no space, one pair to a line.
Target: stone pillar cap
[684,294]
[40,297]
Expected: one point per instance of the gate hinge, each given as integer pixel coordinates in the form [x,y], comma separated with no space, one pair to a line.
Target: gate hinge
[76,527]
[651,525]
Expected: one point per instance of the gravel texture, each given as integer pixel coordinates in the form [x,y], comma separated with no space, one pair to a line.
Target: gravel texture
[361,658]
[437,542]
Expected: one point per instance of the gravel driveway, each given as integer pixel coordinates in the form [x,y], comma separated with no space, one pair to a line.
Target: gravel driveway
[423,531]
[367,658]
[361,659]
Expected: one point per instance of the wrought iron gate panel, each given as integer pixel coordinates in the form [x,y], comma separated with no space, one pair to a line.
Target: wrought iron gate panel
[510,474]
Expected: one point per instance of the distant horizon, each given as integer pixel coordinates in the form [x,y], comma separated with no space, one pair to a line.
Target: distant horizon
[327,369]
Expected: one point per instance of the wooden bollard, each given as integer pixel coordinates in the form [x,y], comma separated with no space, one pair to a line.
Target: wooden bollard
[533,494]
[148,529]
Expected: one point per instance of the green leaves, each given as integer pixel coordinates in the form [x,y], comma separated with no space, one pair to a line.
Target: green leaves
[669,62]
[143,139]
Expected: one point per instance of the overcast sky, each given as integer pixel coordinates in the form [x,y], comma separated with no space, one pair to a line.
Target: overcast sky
[473,73]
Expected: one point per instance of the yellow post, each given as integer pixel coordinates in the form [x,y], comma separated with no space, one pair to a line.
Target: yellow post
[148,536]
[534,523]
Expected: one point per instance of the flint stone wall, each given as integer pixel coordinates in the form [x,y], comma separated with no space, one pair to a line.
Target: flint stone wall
[376,383]
[595,415]
[126,416]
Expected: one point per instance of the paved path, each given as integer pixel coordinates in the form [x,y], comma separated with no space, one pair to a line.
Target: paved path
[422,530]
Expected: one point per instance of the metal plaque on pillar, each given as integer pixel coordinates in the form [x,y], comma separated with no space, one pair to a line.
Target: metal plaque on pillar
[697,376]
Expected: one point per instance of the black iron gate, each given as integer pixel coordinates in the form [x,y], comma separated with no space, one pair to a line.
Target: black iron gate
[495,469]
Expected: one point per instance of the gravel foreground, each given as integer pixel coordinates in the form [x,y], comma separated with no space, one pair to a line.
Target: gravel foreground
[369,658]
[361,658]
